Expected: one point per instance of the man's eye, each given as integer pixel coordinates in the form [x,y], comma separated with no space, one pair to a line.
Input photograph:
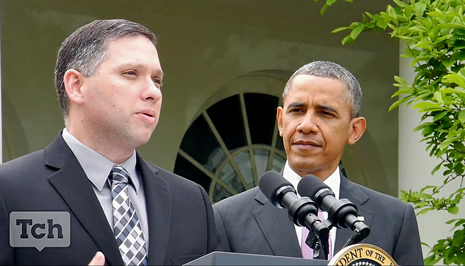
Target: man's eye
[158,82]
[327,113]
[295,111]
[130,73]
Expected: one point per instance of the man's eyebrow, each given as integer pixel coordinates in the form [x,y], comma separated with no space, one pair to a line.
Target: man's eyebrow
[295,105]
[327,108]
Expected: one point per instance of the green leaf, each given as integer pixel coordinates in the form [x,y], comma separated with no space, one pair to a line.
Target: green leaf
[420,9]
[457,91]
[391,13]
[347,40]
[438,14]
[440,115]
[400,79]
[427,106]
[330,2]
[448,64]
[436,169]
[425,210]
[323,9]
[355,32]
[458,55]
[445,144]
[398,102]
[451,221]
[438,97]
[381,23]
[462,116]
[431,260]
[453,209]
[459,147]
[454,78]
[424,196]
[401,4]
[340,29]
[402,91]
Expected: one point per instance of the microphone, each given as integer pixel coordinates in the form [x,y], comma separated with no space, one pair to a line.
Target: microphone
[342,213]
[302,211]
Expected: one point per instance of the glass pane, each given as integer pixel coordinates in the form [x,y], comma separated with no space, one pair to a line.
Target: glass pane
[278,163]
[261,113]
[226,115]
[200,143]
[243,162]
[184,168]
[219,193]
[261,160]
[228,175]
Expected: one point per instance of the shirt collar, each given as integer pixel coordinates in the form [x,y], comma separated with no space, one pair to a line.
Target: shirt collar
[333,181]
[96,166]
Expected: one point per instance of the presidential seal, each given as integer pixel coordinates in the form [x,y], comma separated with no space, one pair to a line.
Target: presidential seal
[362,255]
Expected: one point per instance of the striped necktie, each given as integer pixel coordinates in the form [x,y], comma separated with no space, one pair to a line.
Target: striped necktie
[126,225]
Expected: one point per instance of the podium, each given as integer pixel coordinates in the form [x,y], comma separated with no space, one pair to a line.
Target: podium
[230,258]
[357,254]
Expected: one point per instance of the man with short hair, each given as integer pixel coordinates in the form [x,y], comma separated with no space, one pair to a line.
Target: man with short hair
[108,79]
[320,115]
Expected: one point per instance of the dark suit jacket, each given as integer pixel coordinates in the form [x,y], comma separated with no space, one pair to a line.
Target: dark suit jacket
[250,223]
[180,216]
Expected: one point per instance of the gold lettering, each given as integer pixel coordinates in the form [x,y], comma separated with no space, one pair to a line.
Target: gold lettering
[380,257]
[342,262]
[369,253]
[359,251]
[347,258]
[353,255]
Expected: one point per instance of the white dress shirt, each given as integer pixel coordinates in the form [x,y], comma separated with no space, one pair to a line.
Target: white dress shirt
[333,181]
[98,168]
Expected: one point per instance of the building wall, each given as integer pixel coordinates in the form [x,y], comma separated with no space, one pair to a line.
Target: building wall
[207,48]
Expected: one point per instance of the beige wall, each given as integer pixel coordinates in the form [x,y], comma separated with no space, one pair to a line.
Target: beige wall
[209,49]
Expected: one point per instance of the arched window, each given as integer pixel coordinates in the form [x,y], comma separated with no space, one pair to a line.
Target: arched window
[231,144]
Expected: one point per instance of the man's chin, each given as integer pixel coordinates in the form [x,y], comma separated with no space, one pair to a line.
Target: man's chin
[302,166]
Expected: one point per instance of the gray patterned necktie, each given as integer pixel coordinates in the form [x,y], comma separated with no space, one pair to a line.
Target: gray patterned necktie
[126,225]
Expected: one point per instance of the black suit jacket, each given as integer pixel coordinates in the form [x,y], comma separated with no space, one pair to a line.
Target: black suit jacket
[250,223]
[180,216]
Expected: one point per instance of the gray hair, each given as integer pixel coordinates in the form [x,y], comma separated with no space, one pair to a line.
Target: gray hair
[86,48]
[326,69]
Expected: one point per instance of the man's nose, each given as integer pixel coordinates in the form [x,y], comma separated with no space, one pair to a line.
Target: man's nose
[308,124]
[151,91]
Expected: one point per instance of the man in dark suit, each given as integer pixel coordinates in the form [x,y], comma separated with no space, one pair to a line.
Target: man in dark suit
[119,207]
[320,115]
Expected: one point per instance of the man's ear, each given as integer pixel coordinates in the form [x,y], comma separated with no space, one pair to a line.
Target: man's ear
[279,118]
[358,126]
[73,85]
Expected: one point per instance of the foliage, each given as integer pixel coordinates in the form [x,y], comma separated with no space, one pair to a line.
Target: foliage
[434,33]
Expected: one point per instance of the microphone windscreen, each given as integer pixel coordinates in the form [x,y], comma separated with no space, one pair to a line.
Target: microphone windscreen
[270,182]
[309,185]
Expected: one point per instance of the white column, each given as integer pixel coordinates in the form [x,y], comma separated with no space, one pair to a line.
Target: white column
[415,166]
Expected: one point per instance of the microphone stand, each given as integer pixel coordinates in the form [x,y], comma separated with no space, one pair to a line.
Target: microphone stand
[318,241]
[358,235]
[317,238]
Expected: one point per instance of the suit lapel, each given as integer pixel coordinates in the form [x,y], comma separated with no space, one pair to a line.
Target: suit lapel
[278,229]
[159,205]
[353,193]
[76,190]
